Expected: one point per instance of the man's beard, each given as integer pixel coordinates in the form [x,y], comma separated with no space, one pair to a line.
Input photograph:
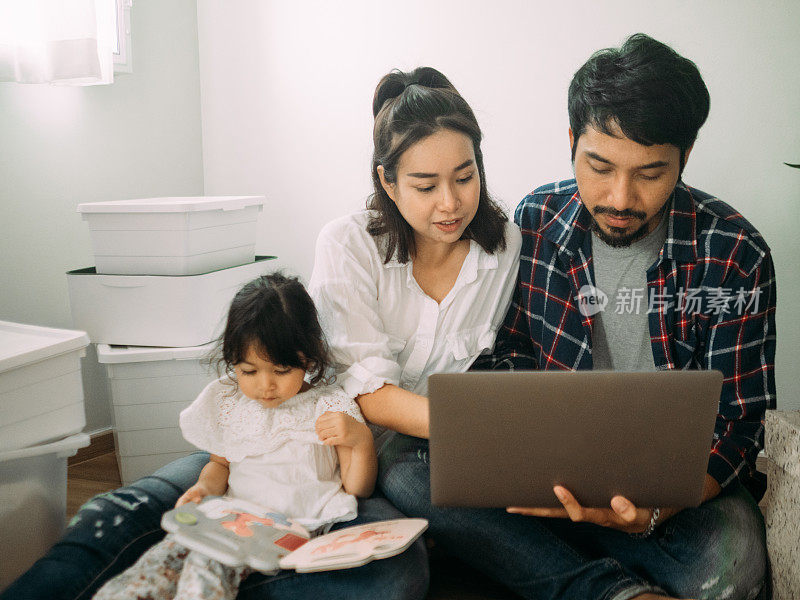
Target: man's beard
[618,238]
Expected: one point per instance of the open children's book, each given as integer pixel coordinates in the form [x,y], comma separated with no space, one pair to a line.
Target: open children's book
[236,533]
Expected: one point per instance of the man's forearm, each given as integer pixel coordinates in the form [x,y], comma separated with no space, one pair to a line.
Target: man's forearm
[711,489]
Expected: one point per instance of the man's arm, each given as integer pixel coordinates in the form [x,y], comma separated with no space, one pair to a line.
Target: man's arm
[741,344]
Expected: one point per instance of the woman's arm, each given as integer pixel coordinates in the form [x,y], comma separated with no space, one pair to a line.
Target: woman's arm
[213,481]
[397,409]
[355,449]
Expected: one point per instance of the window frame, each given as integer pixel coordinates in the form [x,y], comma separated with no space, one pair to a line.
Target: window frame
[123,59]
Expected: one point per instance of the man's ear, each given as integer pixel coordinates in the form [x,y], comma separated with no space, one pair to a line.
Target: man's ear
[571,140]
[686,156]
[387,187]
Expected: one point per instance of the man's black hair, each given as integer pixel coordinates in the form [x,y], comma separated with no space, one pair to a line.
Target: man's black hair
[652,93]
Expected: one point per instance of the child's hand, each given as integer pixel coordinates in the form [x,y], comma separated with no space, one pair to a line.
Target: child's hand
[340,429]
[213,481]
[355,449]
[194,494]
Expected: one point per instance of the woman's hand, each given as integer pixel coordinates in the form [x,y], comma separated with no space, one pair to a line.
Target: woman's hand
[622,515]
[340,429]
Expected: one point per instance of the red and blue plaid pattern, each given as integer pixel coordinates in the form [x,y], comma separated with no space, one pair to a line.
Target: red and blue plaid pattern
[710,250]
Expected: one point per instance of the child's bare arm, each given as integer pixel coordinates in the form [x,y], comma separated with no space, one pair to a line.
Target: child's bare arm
[213,481]
[356,451]
[359,469]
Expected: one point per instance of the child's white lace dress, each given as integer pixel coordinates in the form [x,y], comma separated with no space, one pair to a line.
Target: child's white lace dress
[276,458]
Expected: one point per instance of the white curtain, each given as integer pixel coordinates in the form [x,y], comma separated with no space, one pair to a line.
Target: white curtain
[57,41]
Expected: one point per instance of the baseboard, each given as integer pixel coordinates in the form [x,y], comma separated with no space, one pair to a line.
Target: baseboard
[102,442]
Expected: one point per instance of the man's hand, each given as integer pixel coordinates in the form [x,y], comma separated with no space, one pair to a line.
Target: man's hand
[340,429]
[622,515]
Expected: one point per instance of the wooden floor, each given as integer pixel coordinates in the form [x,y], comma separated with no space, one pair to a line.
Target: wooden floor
[91,471]
[90,477]
[95,470]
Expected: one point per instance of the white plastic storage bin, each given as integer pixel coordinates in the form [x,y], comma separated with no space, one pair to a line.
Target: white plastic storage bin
[149,389]
[172,236]
[33,502]
[157,310]
[41,389]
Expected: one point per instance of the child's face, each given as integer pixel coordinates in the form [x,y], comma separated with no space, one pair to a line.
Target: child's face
[267,382]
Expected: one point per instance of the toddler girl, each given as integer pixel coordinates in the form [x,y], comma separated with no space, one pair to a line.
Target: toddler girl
[275,439]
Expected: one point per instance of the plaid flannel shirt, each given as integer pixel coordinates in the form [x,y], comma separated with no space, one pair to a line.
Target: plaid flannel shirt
[710,250]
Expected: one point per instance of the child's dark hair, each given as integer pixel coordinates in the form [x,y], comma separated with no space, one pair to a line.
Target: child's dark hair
[275,313]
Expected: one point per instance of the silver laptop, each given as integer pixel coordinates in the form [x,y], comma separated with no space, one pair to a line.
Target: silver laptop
[502,439]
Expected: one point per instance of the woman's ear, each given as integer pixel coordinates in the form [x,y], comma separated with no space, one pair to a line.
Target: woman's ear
[387,187]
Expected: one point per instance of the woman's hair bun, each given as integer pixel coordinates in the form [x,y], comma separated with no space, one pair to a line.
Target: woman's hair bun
[430,77]
[390,86]
[395,82]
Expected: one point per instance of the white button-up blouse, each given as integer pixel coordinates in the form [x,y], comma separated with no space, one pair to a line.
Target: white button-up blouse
[382,328]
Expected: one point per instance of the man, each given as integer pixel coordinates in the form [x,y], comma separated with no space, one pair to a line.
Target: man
[627,234]
[627,268]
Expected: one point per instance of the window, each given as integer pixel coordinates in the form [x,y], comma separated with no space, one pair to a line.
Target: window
[64,42]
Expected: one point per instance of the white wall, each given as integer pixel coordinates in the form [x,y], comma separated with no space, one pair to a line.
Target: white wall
[287,89]
[60,146]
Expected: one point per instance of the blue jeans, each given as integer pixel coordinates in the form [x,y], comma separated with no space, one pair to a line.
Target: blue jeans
[714,551]
[112,530]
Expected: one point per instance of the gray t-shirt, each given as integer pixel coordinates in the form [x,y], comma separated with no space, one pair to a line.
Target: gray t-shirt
[621,335]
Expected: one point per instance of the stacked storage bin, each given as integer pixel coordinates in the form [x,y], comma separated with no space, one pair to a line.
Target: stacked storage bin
[41,416]
[166,270]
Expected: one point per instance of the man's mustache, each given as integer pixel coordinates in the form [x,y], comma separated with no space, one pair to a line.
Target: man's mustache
[620,214]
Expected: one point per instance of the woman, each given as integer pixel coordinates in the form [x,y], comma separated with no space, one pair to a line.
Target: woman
[418,284]
[421,282]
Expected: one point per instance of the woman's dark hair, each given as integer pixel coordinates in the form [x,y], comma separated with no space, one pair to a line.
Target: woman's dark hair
[409,107]
[651,92]
[275,313]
